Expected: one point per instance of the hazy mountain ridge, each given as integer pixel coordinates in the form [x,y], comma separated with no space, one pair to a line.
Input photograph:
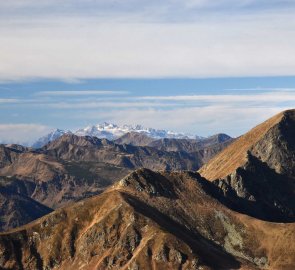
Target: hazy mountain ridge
[190,145]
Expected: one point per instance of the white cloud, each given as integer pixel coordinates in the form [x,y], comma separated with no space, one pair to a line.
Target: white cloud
[81,93]
[9,100]
[73,47]
[273,97]
[105,105]
[263,89]
[21,133]
[199,114]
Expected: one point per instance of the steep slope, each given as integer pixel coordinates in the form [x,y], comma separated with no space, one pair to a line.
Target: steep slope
[256,172]
[17,210]
[209,151]
[150,221]
[236,154]
[8,153]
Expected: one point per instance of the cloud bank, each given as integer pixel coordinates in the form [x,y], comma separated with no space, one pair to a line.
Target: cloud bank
[21,133]
[145,39]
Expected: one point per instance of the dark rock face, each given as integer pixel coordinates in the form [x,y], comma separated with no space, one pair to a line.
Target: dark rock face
[263,185]
[277,148]
[17,210]
[259,191]
[9,154]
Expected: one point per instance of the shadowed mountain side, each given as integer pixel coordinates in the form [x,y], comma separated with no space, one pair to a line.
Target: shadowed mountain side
[149,220]
[256,172]
[8,153]
[259,191]
[235,155]
[17,210]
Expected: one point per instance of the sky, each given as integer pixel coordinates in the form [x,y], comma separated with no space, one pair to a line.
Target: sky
[194,66]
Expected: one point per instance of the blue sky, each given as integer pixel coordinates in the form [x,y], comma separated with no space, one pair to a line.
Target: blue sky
[197,66]
[198,106]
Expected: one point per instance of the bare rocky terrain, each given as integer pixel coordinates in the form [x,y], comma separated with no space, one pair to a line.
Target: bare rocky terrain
[72,168]
[150,220]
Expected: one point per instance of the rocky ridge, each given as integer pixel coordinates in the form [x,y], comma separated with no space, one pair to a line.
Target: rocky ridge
[149,220]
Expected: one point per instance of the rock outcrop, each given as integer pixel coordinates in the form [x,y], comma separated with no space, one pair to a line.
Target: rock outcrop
[256,173]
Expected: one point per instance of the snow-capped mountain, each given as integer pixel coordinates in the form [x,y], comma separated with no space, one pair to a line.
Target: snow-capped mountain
[112,132]
[50,137]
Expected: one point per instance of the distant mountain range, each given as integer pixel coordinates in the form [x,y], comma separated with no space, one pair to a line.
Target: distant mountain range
[112,132]
[72,167]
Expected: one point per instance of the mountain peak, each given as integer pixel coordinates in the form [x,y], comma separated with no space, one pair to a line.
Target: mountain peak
[255,174]
[53,135]
[235,155]
[70,138]
[148,181]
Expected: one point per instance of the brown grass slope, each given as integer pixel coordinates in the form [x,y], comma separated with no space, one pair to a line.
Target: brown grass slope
[149,220]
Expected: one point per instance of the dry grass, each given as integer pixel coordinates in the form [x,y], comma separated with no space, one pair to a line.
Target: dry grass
[235,154]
